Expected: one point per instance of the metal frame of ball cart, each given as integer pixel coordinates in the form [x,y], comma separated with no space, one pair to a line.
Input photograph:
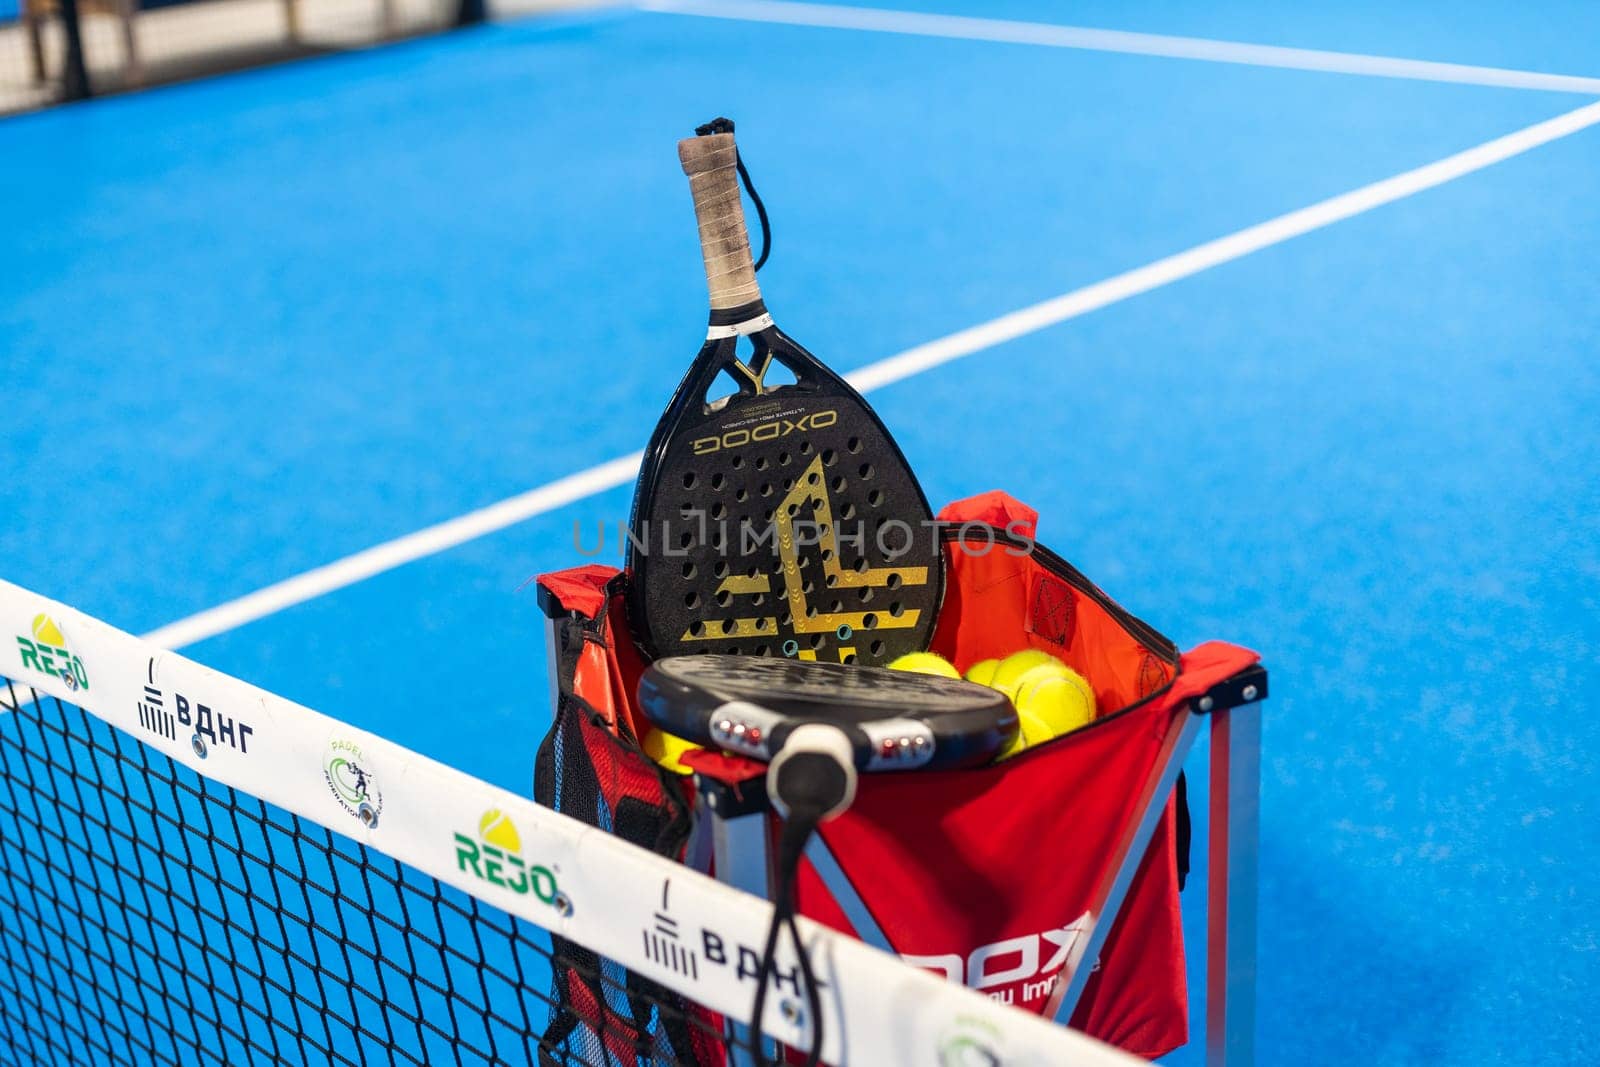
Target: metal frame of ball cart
[730,838]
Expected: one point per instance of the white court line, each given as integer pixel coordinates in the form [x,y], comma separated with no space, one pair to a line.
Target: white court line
[616,472]
[1142,44]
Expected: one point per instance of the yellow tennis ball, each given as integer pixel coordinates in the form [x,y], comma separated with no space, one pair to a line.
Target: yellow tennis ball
[1034,675]
[1014,666]
[665,749]
[1051,702]
[925,663]
[1054,705]
[982,672]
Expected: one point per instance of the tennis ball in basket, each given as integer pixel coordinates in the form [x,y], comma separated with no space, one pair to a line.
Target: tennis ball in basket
[982,672]
[925,663]
[1050,704]
[665,749]
[1013,667]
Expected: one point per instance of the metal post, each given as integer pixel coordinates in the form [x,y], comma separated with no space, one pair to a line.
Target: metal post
[1231,885]
[74,73]
[739,847]
[844,894]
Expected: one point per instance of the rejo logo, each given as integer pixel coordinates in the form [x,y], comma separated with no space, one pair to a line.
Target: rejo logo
[766,431]
[496,857]
[48,653]
[1032,961]
[351,781]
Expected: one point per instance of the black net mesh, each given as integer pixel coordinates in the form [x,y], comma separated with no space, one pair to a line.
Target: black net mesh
[149,915]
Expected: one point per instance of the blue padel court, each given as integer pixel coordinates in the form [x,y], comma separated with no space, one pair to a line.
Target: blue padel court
[254,327]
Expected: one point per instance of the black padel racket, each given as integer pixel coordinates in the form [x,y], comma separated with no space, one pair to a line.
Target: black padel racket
[775,520]
[894,720]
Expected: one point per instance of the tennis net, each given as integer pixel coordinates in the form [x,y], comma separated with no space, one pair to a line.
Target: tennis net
[197,871]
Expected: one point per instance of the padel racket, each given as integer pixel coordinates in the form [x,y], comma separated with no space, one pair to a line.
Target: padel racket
[894,720]
[772,519]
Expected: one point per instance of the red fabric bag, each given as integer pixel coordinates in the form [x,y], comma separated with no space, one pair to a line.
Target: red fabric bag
[982,875]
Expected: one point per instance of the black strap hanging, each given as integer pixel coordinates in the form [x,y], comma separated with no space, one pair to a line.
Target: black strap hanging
[722,125]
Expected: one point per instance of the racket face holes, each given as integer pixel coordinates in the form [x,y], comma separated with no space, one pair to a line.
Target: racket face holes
[728,626]
[783,459]
[686,539]
[760,649]
[832,580]
[893,581]
[877,648]
[762,463]
[854,445]
[721,569]
[848,657]
[741,494]
[875,498]
[838,483]
[813,478]
[689,570]
[829,457]
[896,609]
[697,628]
[766,488]
[836,607]
[692,600]
[844,632]
[869,621]
[865,470]
[816,641]
[736,461]
[716,480]
[864,594]
[689,479]
[860,565]
[848,511]
[724,598]
[719,510]
[790,647]
[788,484]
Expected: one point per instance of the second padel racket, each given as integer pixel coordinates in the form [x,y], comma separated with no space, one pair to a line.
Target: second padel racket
[778,519]
[893,720]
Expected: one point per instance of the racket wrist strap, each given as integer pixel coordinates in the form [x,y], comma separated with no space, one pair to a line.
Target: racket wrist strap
[725,125]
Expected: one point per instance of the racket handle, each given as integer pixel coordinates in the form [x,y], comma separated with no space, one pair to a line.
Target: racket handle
[724,241]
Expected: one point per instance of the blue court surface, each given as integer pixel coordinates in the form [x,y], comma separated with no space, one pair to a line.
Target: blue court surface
[253,325]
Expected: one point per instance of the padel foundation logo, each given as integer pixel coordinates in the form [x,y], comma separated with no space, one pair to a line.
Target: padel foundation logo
[495,856]
[351,780]
[46,651]
[970,1042]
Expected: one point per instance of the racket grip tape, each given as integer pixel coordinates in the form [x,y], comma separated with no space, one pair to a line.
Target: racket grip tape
[724,242]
